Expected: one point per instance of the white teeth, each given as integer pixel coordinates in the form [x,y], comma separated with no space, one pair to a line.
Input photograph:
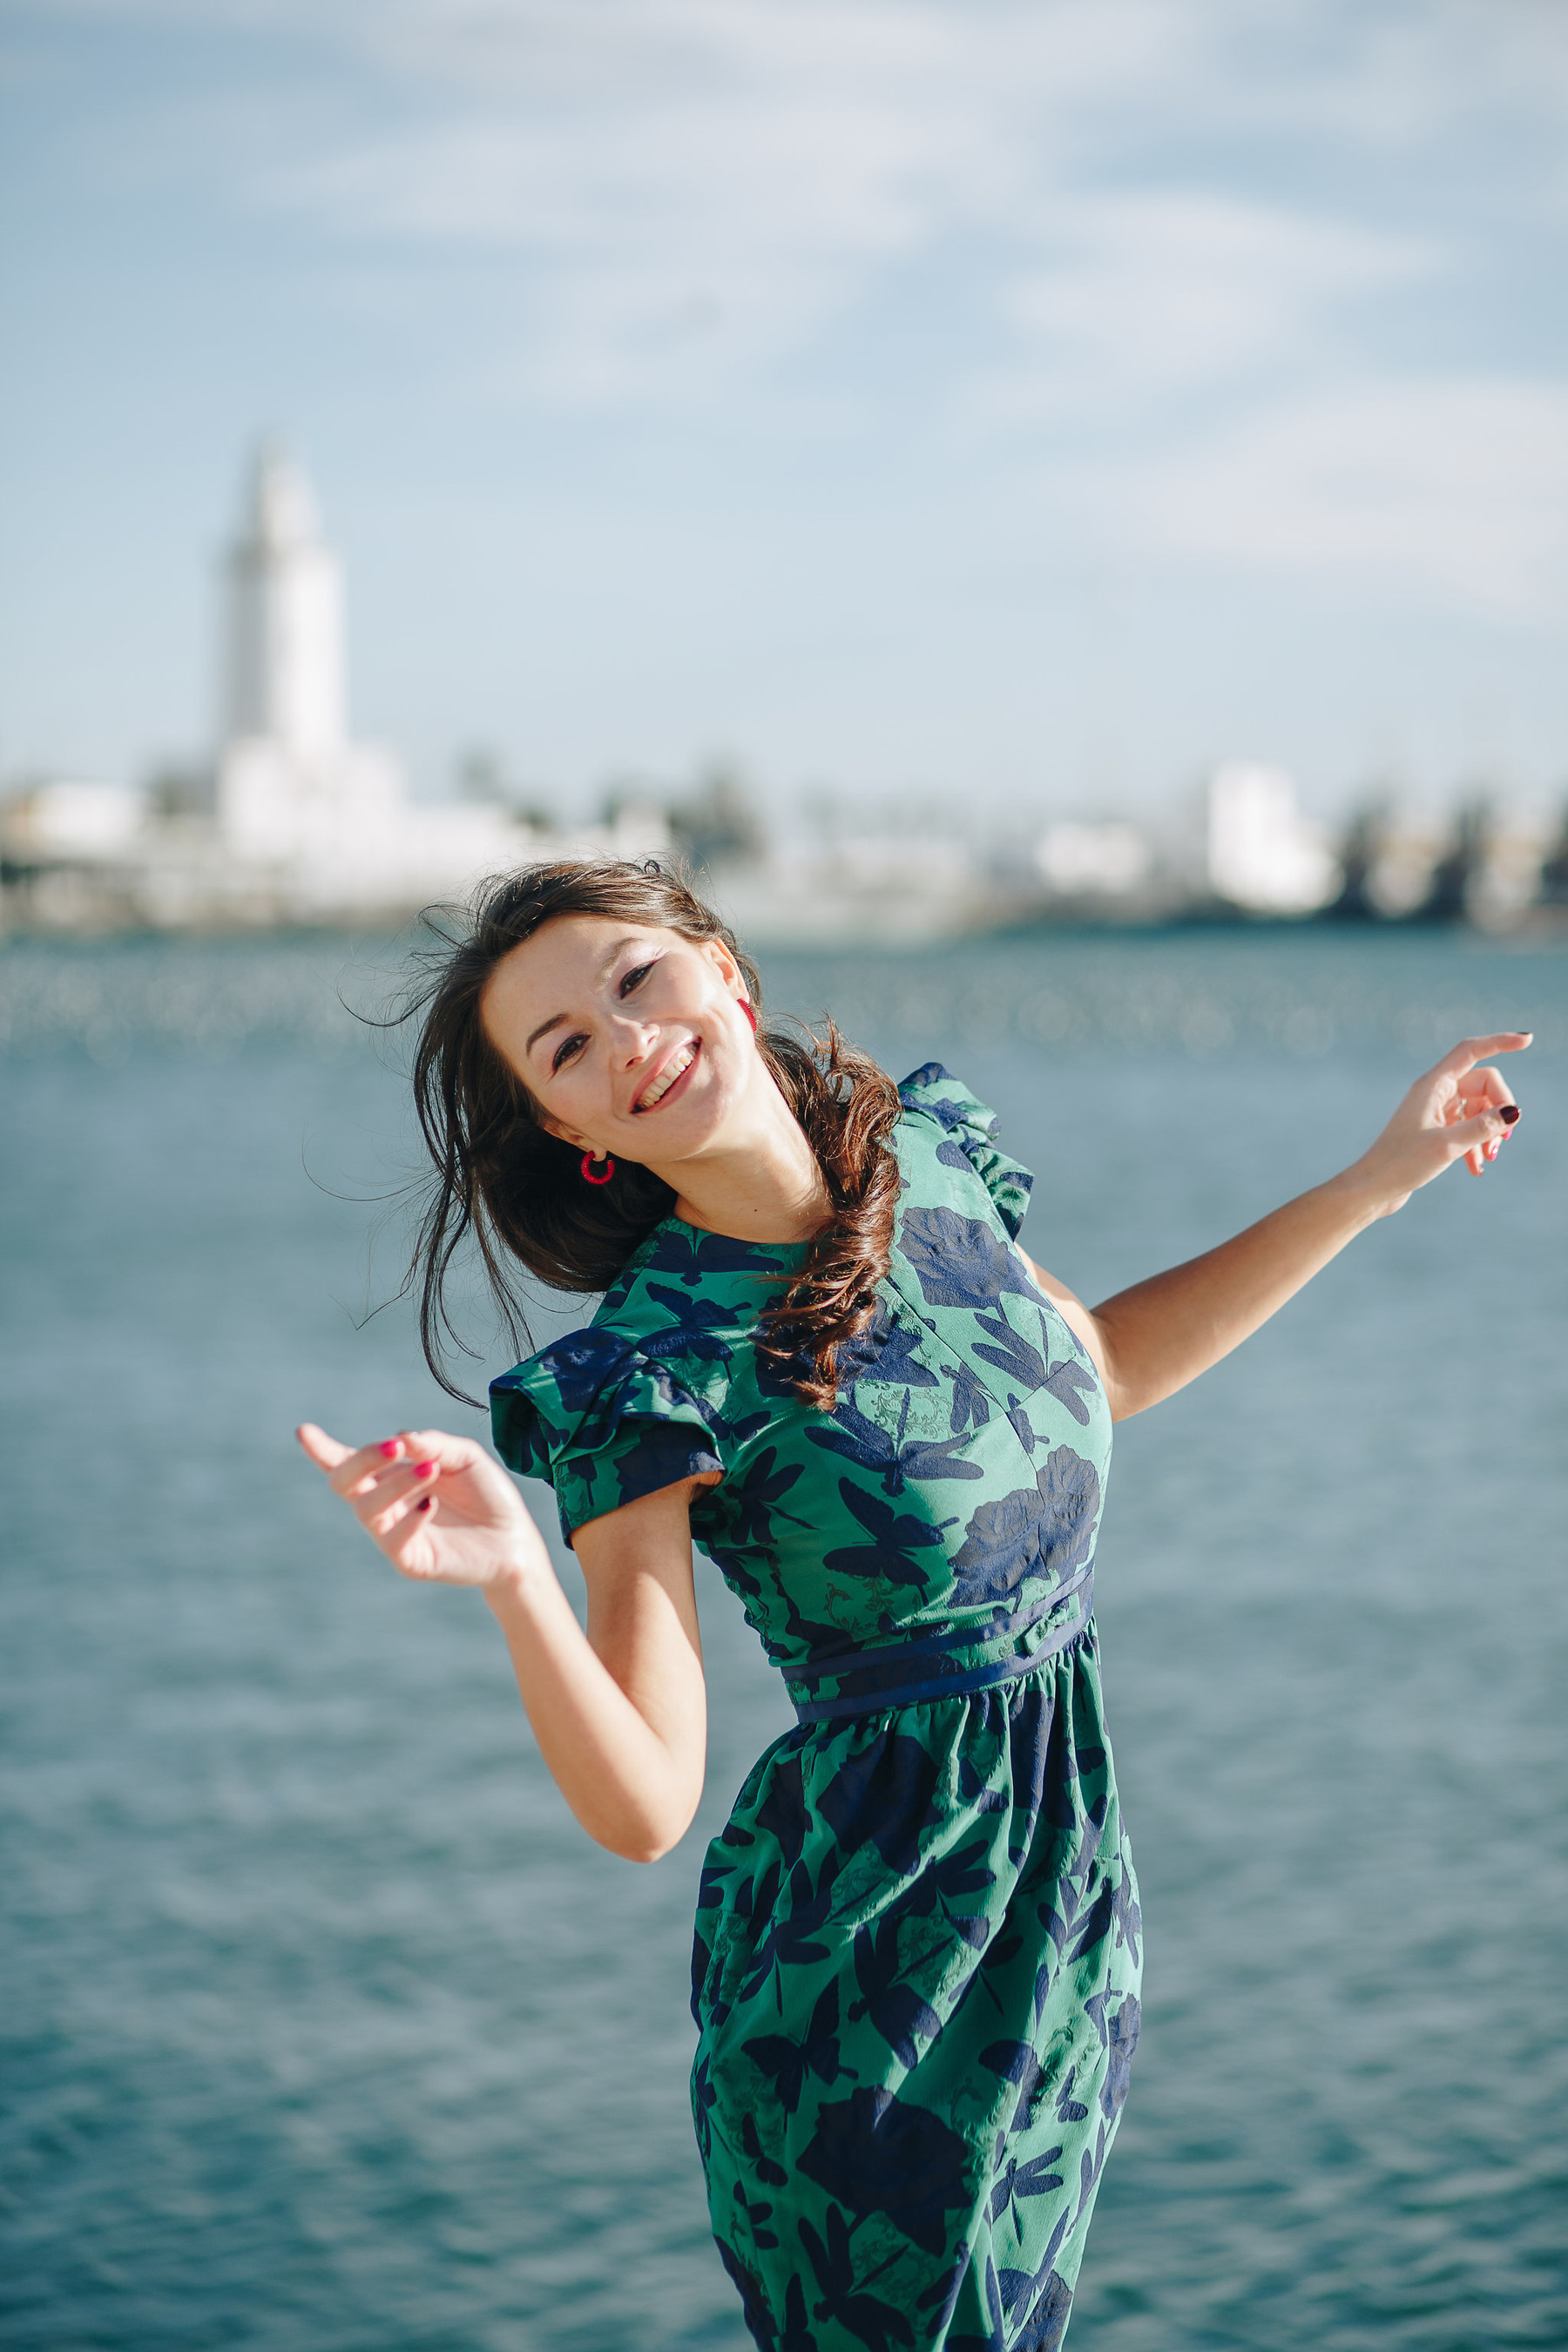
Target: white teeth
[667,1076]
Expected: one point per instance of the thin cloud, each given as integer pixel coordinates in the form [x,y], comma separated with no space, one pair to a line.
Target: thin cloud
[737,175]
[1453,492]
[1171,292]
[733,176]
[754,165]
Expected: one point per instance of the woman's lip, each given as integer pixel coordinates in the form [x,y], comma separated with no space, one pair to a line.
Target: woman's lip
[670,1091]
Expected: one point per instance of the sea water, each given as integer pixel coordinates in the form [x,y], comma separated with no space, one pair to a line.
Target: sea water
[326,2029]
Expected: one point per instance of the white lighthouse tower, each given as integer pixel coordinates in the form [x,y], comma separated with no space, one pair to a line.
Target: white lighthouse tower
[290,783]
[285,649]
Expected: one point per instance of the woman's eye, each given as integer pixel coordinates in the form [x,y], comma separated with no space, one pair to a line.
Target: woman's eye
[635,978]
[565,1052]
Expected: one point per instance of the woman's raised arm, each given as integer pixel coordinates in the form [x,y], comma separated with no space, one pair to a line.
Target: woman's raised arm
[620,1714]
[1151,1340]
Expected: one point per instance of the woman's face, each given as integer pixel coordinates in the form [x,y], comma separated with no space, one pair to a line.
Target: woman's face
[631,1040]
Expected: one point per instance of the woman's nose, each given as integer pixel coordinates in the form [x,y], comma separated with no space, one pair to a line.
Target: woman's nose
[631,1036]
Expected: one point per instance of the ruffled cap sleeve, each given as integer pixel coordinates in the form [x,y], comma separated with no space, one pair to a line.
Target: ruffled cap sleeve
[969,1136]
[603,1421]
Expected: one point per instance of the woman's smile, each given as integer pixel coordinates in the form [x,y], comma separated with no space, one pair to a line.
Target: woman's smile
[668,1078]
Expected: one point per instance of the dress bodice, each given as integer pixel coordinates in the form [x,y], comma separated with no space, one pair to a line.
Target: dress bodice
[955,1491]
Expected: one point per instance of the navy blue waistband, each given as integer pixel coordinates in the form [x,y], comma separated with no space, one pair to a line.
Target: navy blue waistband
[944,1664]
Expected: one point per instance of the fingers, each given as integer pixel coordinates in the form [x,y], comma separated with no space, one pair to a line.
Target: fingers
[387,1485]
[355,1473]
[1467,1097]
[1480,1137]
[324,1451]
[381,1491]
[1482,1090]
[438,1445]
[1471,1050]
[352,1472]
[387,1500]
[345,1466]
[1479,1089]
[405,1488]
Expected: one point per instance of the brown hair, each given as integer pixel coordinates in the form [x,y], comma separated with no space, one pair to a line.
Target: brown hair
[515,1191]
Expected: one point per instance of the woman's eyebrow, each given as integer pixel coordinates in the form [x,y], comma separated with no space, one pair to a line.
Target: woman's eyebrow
[554,1021]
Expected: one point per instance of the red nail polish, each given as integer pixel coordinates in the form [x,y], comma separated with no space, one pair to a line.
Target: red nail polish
[1509,1114]
[389,1449]
[425,1469]
[423,1505]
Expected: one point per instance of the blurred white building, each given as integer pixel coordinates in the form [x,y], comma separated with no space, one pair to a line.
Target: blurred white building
[65,817]
[295,793]
[302,823]
[1262,853]
[290,781]
[1093,861]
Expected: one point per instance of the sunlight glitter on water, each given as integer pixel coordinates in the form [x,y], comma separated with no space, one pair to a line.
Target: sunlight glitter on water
[328,2029]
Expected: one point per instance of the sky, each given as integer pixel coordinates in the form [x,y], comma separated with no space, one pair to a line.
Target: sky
[1001,404]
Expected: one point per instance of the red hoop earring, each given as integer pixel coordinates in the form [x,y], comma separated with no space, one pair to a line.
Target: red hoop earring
[750,1010]
[588,1175]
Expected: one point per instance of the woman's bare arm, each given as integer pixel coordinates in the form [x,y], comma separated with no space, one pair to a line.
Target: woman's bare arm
[620,1713]
[1149,1341]
[621,1717]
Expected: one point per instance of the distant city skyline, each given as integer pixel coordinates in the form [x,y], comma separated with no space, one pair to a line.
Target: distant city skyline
[1045,401]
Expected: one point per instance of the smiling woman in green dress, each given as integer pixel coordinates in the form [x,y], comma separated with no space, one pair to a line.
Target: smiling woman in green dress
[822,1355]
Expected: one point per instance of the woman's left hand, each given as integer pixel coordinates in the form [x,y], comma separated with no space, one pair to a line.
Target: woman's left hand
[1151,1340]
[1463,1109]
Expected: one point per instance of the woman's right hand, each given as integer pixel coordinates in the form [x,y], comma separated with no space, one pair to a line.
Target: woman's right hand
[440,1507]
[620,1718]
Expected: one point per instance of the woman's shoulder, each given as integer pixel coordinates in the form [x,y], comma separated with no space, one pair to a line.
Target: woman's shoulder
[605,1416]
[607,1408]
[661,1347]
[952,1128]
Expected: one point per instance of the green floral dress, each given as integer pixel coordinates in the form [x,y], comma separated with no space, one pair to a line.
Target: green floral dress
[916,1968]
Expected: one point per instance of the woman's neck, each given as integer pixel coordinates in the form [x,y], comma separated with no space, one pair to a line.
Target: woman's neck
[760,1183]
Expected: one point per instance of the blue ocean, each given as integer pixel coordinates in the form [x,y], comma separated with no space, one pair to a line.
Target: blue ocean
[326,2029]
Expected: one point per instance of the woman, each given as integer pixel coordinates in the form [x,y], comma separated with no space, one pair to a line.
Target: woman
[822,1354]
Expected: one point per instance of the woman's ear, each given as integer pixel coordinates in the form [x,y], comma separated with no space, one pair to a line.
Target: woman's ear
[728,970]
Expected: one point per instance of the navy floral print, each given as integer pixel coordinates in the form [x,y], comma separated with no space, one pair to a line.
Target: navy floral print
[916,1968]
